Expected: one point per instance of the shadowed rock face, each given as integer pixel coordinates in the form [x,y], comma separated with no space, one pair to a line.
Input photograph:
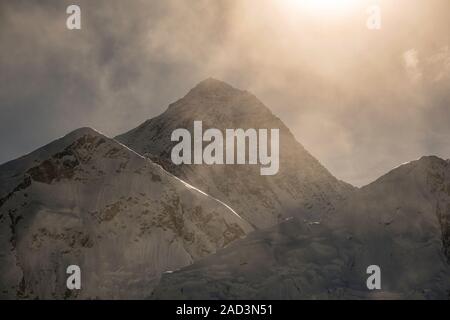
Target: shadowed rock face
[87,200]
[397,222]
[302,187]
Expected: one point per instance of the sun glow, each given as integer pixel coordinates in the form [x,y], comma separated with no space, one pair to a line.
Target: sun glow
[322,6]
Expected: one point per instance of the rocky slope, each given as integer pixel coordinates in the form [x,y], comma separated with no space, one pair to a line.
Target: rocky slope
[302,187]
[400,223]
[88,200]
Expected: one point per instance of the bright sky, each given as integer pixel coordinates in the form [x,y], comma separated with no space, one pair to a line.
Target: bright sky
[360,101]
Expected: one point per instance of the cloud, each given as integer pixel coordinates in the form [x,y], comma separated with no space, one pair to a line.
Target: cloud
[411,61]
[439,65]
[345,91]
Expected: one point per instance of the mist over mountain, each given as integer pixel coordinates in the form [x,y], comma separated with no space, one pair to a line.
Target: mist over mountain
[122,211]
[348,94]
[302,188]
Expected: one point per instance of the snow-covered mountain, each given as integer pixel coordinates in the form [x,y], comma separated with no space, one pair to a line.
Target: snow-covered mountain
[125,215]
[400,223]
[87,200]
[302,187]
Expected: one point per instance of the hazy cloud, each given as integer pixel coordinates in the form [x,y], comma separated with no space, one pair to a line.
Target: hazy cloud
[346,92]
[412,65]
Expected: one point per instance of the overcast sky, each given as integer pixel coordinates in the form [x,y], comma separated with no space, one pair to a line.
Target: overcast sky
[360,101]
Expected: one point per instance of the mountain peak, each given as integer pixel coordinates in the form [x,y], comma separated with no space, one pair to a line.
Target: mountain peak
[220,106]
[8,169]
[415,168]
[428,161]
[82,132]
[211,86]
[213,82]
[431,159]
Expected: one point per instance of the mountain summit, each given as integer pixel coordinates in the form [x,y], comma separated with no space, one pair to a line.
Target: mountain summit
[302,187]
[213,87]
[87,200]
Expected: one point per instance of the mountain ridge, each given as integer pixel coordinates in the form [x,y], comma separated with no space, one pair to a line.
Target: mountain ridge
[123,212]
[302,187]
[401,225]
[86,199]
